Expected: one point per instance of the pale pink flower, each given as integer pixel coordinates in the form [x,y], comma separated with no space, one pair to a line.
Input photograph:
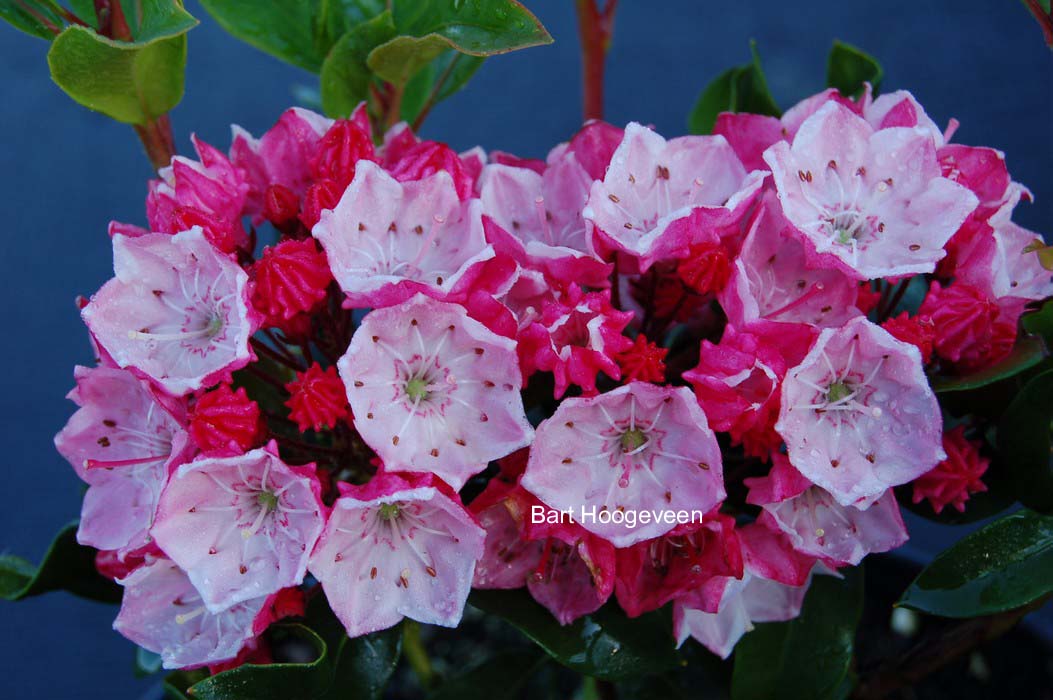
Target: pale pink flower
[771,279]
[719,613]
[399,546]
[433,390]
[818,525]
[162,612]
[872,202]
[858,415]
[282,155]
[211,185]
[177,311]
[386,240]
[123,441]
[660,196]
[241,527]
[538,217]
[638,448]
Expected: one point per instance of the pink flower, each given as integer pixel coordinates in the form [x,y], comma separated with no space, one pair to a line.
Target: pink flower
[638,448]
[953,480]
[209,192]
[858,415]
[508,558]
[537,218]
[770,590]
[317,398]
[162,612]
[425,158]
[225,422]
[737,383]
[659,197]
[281,156]
[433,390]
[400,546]
[123,440]
[386,239]
[594,146]
[654,572]
[872,203]
[575,338]
[772,280]
[177,310]
[241,527]
[291,277]
[819,526]
[1003,264]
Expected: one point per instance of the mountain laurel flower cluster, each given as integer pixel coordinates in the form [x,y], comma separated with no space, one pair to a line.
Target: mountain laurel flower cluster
[695,372]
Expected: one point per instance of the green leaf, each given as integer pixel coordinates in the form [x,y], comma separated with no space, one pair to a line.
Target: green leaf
[1024,443]
[427,28]
[848,67]
[500,677]
[741,89]
[67,566]
[808,657]
[1029,351]
[281,681]
[1040,323]
[175,684]
[345,77]
[1002,566]
[605,644]
[130,82]
[364,665]
[438,80]
[34,17]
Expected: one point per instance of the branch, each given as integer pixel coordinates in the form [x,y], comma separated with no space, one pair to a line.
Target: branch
[156,136]
[595,27]
[937,649]
[1045,20]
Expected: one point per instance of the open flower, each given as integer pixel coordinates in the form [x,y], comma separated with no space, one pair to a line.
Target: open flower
[640,448]
[858,415]
[659,196]
[386,239]
[432,390]
[871,202]
[177,310]
[122,441]
[163,612]
[242,527]
[400,546]
[819,526]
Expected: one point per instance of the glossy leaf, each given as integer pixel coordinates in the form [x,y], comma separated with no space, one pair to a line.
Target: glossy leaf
[808,657]
[1040,323]
[741,89]
[1024,443]
[39,18]
[606,644]
[1029,351]
[300,32]
[427,28]
[1002,566]
[130,82]
[67,566]
[498,678]
[848,68]
[440,79]
[364,665]
[279,681]
[345,77]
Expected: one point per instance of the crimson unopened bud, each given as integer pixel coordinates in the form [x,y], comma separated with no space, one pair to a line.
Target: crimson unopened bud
[322,195]
[280,204]
[226,236]
[343,145]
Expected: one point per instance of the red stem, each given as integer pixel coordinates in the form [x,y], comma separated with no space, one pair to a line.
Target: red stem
[156,136]
[594,30]
[1045,20]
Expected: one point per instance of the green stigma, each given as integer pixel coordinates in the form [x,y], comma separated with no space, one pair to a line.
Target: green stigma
[267,500]
[837,391]
[389,511]
[417,389]
[215,325]
[632,439]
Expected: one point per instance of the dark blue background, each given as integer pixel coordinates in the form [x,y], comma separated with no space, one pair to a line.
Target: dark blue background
[67,172]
